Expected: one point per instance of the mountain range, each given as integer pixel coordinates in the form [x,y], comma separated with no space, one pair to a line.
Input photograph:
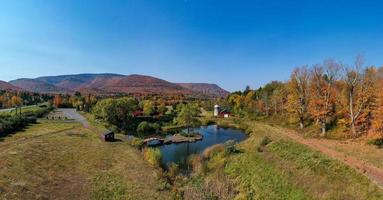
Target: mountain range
[111,84]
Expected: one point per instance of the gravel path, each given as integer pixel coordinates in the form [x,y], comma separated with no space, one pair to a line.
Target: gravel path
[72,114]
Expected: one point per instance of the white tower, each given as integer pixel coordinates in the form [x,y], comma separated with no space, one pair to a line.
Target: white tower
[216,110]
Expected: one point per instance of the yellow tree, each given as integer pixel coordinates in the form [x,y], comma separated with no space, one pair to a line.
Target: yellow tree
[249,101]
[1,101]
[323,93]
[16,101]
[279,99]
[377,114]
[360,94]
[298,89]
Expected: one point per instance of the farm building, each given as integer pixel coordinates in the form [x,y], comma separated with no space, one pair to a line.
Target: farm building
[108,136]
[221,113]
[217,110]
[225,114]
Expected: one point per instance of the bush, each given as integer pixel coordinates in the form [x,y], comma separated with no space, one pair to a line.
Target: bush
[136,142]
[377,142]
[13,123]
[265,141]
[230,147]
[153,156]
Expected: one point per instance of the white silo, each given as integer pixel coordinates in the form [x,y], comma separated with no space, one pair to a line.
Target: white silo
[216,110]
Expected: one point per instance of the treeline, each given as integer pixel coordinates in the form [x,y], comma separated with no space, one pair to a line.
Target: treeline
[78,101]
[9,99]
[328,96]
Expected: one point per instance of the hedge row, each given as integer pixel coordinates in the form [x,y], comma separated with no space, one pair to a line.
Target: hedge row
[13,123]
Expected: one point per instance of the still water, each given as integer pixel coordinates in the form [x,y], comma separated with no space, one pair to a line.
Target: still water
[213,134]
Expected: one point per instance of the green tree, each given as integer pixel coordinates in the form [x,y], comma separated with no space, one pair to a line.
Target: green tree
[162,108]
[188,116]
[146,127]
[118,112]
[148,107]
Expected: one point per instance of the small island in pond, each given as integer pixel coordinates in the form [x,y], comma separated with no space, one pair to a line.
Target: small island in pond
[176,138]
[181,137]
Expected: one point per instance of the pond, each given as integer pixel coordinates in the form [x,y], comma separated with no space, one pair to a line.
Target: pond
[213,134]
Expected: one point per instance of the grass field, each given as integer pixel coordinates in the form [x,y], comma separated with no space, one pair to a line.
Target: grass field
[24,109]
[284,169]
[57,160]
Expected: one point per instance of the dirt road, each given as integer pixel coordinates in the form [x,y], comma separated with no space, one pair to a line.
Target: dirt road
[373,173]
[72,114]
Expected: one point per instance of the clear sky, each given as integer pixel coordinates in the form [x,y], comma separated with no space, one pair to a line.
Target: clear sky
[233,43]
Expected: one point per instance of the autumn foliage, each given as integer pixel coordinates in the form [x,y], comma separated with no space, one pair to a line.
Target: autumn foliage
[327,96]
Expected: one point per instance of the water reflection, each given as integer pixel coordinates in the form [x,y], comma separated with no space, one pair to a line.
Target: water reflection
[213,134]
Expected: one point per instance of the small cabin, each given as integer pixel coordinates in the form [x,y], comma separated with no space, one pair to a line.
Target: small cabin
[108,136]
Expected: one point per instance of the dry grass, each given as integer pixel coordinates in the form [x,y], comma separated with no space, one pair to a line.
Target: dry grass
[358,149]
[73,164]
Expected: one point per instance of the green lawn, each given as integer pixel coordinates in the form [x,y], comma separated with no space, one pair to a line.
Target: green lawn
[43,162]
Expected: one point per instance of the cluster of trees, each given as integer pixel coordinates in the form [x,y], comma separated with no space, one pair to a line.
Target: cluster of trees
[116,112]
[326,95]
[145,116]
[78,101]
[9,99]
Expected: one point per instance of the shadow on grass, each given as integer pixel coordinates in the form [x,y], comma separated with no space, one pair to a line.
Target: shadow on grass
[116,140]
[18,129]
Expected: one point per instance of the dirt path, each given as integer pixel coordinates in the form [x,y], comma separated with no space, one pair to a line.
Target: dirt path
[373,173]
[72,114]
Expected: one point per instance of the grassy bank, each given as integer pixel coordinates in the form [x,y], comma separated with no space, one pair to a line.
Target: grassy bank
[283,169]
[67,161]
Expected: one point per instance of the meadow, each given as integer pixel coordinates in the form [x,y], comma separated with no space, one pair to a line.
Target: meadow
[60,160]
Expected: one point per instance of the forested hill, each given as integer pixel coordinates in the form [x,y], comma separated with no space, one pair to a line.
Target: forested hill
[108,83]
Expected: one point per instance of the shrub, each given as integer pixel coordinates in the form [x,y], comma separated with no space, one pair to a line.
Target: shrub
[265,141]
[153,156]
[230,147]
[377,142]
[136,142]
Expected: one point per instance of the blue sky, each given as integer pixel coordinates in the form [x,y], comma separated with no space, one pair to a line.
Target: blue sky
[231,43]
